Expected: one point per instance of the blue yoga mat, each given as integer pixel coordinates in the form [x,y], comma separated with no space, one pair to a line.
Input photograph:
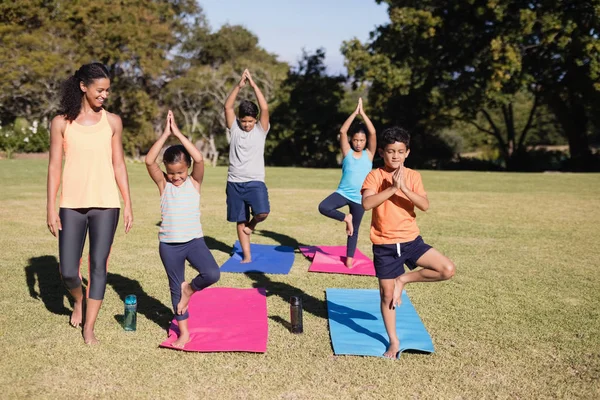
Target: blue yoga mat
[356,324]
[266,258]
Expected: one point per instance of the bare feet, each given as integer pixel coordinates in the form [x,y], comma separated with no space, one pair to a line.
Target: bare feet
[89,337]
[349,262]
[77,315]
[186,294]
[397,298]
[349,226]
[392,350]
[181,340]
[250,226]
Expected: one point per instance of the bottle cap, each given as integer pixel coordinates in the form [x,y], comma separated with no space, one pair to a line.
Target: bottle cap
[295,301]
[130,299]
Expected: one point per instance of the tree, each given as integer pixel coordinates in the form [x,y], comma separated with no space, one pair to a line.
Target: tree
[43,41]
[305,124]
[209,65]
[437,61]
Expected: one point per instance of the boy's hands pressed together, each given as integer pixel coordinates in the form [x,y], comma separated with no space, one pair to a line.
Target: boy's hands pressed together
[249,78]
[242,82]
[398,179]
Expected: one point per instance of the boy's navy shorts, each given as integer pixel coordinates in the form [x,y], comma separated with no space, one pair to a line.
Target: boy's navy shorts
[244,196]
[389,259]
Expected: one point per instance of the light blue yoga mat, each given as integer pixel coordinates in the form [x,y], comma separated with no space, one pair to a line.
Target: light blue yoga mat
[356,325]
[266,259]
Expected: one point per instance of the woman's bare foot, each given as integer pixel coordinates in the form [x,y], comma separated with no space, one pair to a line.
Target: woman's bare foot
[349,262]
[181,340]
[349,226]
[77,315]
[392,350]
[186,294]
[397,298]
[89,337]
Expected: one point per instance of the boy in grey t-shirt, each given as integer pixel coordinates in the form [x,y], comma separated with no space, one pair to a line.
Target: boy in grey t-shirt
[246,190]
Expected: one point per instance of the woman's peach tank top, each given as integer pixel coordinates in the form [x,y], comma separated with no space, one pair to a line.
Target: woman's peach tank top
[88,178]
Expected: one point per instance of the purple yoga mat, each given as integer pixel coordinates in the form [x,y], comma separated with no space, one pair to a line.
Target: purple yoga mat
[332,259]
[225,319]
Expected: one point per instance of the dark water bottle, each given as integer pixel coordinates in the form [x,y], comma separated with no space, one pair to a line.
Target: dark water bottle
[296,314]
[130,319]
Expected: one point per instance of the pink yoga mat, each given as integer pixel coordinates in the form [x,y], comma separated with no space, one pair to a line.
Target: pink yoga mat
[332,259]
[225,319]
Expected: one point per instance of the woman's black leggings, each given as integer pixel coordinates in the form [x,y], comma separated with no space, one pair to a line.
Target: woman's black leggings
[329,206]
[102,224]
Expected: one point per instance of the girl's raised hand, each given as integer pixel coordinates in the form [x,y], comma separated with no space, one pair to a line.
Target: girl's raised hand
[167,131]
[360,106]
[174,126]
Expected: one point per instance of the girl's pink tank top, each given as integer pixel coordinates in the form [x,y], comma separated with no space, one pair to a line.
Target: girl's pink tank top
[88,178]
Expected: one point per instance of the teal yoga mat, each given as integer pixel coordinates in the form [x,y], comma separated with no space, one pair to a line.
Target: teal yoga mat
[356,325]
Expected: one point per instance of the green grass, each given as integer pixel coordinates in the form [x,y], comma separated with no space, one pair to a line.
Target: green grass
[520,319]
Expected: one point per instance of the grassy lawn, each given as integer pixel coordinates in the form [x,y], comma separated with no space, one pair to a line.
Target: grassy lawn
[521,318]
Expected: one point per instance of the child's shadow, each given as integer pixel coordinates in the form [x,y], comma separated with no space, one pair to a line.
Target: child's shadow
[310,304]
[282,239]
[44,271]
[147,305]
[214,244]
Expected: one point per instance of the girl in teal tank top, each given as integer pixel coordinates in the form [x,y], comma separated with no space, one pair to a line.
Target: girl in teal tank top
[358,155]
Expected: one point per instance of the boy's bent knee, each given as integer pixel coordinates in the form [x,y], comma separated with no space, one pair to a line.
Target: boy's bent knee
[448,270]
[261,217]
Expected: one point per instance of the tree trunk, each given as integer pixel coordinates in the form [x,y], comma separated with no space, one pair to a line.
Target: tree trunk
[574,121]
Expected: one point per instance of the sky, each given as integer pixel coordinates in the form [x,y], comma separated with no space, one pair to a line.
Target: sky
[285,27]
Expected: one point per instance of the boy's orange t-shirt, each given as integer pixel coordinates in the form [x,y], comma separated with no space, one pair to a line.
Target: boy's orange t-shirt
[394,220]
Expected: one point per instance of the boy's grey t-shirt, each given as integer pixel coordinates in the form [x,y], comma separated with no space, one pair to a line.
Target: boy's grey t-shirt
[247,154]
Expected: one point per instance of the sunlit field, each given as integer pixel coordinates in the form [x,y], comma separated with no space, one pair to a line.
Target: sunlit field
[521,318]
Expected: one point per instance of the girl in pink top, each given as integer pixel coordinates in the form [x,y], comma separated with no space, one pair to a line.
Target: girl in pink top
[93,174]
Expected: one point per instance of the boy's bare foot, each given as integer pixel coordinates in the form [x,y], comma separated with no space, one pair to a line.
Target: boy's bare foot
[349,226]
[246,260]
[392,350]
[181,341]
[349,262]
[397,298]
[89,337]
[249,227]
[186,294]
[77,315]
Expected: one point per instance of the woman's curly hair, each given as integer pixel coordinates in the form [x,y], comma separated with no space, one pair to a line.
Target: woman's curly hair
[70,100]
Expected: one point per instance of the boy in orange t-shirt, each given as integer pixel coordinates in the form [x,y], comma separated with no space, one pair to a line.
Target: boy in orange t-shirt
[392,192]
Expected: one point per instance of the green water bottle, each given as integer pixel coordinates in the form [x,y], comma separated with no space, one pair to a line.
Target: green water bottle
[130,318]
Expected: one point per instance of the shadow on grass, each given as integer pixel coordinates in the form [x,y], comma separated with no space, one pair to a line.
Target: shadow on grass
[282,238]
[214,244]
[44,271]
[148,306]
[310,304]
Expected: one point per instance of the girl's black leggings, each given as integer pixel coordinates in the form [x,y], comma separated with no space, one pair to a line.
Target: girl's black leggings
[102,224]
[329,206]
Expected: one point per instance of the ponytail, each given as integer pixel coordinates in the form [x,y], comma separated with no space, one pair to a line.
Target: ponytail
[71,94]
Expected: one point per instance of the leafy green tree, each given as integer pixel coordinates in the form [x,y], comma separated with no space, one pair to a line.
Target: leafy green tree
[209,65]
[305,124]
[439,61]
[42,41]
